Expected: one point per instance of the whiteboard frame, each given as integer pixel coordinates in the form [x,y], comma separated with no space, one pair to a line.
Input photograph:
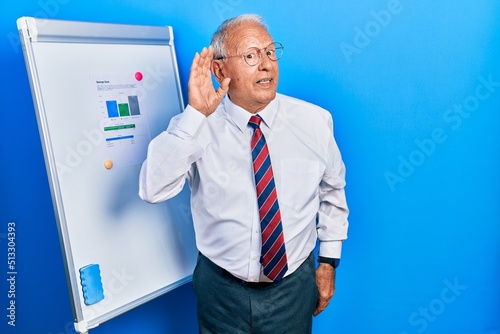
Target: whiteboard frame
[34,30]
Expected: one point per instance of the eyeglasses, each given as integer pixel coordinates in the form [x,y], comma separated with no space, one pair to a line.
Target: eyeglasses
[253,55]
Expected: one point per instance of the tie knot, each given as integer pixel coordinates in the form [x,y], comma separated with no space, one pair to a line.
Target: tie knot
[254,121]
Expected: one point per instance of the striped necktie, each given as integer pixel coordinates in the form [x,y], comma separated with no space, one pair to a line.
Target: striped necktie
[273,254]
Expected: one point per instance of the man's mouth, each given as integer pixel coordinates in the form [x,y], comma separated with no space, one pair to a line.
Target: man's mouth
[265,81]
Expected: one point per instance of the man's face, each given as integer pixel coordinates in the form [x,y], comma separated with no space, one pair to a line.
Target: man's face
[251,87]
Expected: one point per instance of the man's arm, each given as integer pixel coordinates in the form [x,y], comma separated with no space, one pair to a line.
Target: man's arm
[332,223]
[171,153]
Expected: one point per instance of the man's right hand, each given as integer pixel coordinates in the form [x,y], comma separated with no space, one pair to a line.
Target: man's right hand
[202,94]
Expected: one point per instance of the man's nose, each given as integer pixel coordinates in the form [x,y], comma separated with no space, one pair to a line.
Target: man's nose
[265,63]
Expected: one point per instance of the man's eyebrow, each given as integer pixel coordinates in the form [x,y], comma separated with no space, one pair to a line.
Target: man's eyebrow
[258,47]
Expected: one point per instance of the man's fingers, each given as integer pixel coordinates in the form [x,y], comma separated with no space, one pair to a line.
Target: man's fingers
[194,64]
[206,57]
[201,62]
[322,304]
[202,94]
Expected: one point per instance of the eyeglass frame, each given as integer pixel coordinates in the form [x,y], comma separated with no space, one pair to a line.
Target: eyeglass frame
[279,47]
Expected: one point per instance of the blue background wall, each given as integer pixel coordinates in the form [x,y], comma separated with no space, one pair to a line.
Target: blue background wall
[414,88]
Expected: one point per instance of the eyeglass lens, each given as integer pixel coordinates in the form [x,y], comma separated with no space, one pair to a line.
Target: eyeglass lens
[273,51]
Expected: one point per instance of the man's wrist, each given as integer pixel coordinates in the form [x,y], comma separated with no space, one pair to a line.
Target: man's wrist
[331,261]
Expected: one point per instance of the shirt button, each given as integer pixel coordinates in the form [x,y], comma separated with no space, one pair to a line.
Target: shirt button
[255,257]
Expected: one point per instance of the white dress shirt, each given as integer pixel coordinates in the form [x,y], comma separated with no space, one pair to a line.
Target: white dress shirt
[213,154]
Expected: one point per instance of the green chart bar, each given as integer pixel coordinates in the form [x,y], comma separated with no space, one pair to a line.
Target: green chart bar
[123,109]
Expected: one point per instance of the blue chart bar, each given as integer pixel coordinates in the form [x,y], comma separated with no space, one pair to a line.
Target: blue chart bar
[120,138]
[112,107]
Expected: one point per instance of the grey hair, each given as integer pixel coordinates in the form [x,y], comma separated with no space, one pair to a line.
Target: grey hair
[219,38]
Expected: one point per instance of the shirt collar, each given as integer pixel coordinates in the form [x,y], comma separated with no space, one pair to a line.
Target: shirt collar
[241,117]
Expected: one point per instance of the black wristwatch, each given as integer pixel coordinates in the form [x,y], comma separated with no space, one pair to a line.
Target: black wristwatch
[331,261]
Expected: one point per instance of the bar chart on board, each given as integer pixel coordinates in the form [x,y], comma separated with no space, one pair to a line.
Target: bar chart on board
[129,108]
[126,130]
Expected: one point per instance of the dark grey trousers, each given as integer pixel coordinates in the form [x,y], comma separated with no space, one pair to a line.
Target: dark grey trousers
[226,305]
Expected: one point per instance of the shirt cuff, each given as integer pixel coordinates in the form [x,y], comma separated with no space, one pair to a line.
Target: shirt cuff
[191,121]
[331,249]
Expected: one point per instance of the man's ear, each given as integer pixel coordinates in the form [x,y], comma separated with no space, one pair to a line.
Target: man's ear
[217,70]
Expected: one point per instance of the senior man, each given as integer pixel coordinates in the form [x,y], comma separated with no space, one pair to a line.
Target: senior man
[267,181]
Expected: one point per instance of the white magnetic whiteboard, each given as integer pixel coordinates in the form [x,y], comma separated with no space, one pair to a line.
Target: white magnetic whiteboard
[101,93]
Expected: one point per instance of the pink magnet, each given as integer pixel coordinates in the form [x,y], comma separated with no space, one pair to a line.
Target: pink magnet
[138,76]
